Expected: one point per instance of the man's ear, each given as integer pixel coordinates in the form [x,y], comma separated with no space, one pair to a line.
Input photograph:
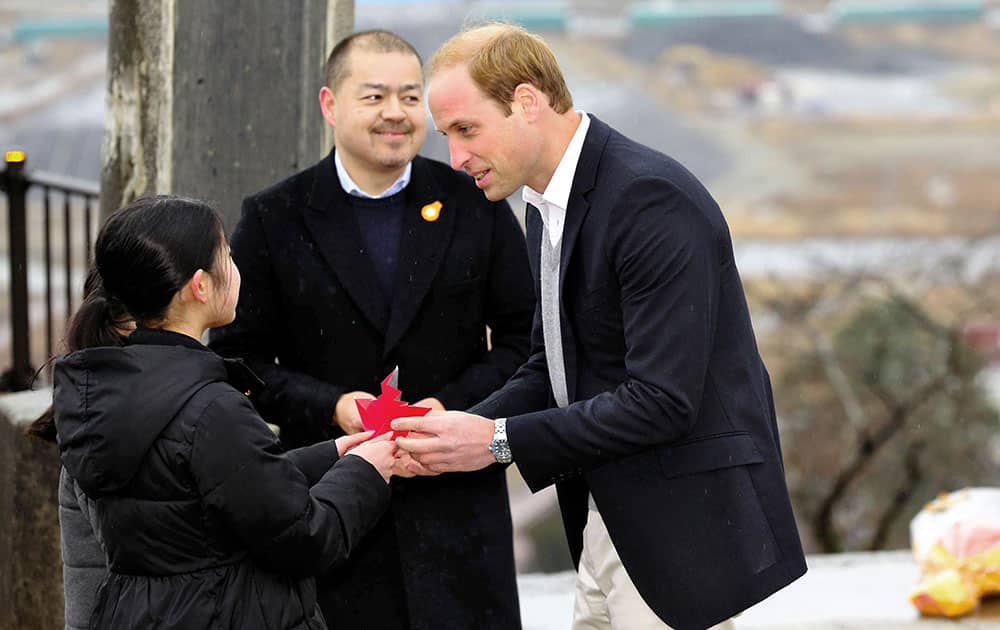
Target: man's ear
[530,100]
[201,286]
[326,103]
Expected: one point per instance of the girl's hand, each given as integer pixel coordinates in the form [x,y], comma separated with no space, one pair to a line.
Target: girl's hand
[380,453]
[346,443]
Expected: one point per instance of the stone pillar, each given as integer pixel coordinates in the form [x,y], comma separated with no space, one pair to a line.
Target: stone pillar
[31,595]
[340,24]
[214,100]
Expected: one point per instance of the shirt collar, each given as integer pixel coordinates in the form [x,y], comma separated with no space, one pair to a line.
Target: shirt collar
[557,192]
[351,188]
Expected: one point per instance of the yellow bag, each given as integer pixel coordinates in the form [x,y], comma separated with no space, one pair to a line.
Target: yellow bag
[956,542]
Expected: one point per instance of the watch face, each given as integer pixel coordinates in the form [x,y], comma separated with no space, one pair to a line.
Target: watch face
[499,447]
[501,451]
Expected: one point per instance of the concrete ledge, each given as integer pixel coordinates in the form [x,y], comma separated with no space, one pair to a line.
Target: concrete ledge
[862,591]
[30,560]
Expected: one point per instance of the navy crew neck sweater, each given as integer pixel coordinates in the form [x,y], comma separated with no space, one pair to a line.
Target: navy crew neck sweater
[381,222]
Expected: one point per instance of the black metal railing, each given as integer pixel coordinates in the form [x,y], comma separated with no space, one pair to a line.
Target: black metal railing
[20,187]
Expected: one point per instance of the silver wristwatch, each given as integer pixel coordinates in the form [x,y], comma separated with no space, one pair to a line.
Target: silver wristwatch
[499,446]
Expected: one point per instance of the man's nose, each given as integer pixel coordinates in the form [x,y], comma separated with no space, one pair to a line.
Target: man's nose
[393,109]
[459,156]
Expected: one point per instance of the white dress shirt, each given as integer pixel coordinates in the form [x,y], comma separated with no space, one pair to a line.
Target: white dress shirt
[552,203]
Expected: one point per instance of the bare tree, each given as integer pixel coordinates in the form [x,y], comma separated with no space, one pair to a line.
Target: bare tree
[879,396]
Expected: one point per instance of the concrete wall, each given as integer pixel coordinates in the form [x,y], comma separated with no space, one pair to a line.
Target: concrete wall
[31,595]
[849,591]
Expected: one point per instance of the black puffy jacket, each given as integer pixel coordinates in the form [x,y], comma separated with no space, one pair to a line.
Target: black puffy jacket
[204,521]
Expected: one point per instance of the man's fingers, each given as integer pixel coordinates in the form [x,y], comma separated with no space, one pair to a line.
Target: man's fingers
[416,446]
[399,467]
[438,462]
[417,468]
[421,424]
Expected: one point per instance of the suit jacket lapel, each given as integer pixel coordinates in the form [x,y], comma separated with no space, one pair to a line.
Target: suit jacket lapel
[421,248]
[335,230]
[576,213]
[533,238]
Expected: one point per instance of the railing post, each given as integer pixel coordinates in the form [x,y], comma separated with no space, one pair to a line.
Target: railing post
[15,183]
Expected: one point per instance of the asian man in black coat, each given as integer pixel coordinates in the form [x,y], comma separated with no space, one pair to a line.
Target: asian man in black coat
[376,258]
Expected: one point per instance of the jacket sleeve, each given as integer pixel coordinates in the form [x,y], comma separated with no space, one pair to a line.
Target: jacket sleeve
[250,486]
[510,302]
[84,564]
[314,460]
[666,256]
[289,397]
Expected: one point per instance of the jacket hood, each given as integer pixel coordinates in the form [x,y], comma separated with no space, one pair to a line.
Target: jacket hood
[111,404]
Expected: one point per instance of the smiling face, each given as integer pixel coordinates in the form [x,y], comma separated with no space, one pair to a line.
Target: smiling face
[377,111]
[498,150]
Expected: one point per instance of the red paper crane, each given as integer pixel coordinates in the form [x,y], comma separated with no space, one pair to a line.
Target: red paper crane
[377,414]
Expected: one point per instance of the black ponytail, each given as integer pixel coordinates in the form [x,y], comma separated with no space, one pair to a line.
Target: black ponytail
[100,319]
[97,322]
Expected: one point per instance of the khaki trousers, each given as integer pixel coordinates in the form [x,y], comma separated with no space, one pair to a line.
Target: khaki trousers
[606,599]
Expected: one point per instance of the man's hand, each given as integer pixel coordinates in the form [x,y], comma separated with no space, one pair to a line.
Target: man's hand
[453,441]
[346,443]
[346,414]
[407,467]
[433,403]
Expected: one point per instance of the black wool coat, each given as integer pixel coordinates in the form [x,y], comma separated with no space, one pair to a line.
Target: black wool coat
[671,423]
[313,324]
[204,521]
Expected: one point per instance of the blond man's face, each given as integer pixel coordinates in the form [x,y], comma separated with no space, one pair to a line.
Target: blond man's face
[484,142]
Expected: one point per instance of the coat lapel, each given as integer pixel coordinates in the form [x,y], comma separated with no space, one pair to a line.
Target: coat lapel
[576,212]
[533,238]
[421,248]
[335,230]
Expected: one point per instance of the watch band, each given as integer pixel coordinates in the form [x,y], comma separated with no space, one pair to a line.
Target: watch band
[500,447]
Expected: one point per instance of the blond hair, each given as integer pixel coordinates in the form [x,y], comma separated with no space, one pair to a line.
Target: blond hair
[500,57]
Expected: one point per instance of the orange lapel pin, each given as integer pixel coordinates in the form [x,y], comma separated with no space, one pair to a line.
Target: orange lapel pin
[431,212]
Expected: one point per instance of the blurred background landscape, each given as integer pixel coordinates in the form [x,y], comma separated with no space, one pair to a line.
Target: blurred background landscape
[854,149]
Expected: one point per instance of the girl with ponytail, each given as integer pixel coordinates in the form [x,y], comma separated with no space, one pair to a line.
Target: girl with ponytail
[201,519]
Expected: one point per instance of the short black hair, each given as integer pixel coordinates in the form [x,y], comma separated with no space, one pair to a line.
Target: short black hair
[376,40]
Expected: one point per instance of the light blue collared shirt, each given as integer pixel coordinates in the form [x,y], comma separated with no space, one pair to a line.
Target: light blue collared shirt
[351,187]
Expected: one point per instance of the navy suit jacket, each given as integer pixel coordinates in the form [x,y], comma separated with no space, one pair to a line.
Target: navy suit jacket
[671,424]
